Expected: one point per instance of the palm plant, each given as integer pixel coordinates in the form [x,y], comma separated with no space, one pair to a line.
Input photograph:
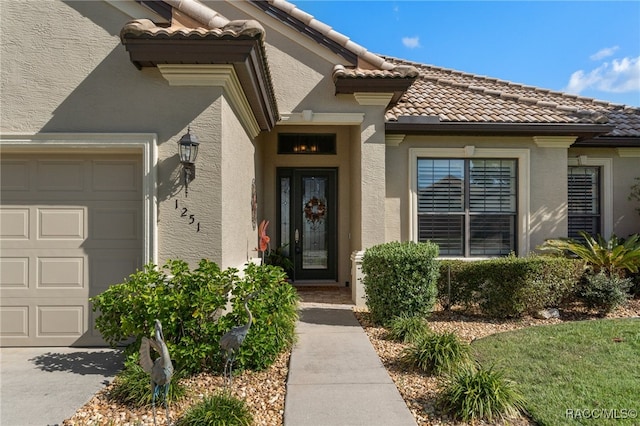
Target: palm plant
[608,256]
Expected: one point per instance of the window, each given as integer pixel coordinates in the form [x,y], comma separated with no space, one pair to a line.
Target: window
[584,200]
[308,143]
[468,206]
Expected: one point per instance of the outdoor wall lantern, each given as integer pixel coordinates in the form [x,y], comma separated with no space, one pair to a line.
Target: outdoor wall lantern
[188,150]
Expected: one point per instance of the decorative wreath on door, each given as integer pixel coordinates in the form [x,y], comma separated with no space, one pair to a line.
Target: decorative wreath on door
[315,210]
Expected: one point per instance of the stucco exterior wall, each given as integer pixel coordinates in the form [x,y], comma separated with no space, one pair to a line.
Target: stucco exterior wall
[68,72]
[238,237]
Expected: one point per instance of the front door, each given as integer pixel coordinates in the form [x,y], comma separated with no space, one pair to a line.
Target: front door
[307,220]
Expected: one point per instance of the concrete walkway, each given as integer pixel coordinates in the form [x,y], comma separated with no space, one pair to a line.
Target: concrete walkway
[335,376]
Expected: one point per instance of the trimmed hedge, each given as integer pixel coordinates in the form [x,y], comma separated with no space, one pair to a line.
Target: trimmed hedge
[400,278]
[509,286]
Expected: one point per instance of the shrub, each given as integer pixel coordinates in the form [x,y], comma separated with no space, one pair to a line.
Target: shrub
[189,305]
[132,386]
[482,394]
[604,293]
[400,278]
[274,310]
[407,328]
[512,286]
[219,409]
[436,353]
[458,284]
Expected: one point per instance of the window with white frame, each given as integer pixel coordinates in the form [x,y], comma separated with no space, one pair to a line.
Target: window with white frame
[468,206]
[584,200]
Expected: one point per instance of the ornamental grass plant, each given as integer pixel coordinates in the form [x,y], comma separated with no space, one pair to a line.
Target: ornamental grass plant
[437,353]
[473,394]
[407,328]
[220,409]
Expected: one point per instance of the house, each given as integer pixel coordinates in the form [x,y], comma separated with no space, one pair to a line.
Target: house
[338,148]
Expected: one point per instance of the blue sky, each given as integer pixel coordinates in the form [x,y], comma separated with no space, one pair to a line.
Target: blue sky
[589,48]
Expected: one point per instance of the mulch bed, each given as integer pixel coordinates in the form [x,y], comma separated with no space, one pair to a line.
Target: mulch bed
[265,391]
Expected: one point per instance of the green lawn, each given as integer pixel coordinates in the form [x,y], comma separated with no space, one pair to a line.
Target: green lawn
[584,372]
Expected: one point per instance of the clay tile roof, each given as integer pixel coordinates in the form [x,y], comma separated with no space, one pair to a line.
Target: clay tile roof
[145,28]
[454,96]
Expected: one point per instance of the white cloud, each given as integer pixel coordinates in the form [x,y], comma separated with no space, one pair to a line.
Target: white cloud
[617,76]
[604,53]
[411,42]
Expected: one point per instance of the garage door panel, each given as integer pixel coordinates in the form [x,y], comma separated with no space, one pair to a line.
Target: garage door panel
[119,176]
[59,175]
[111,267]
[56,273]
[61,223]
[67,320]
[15,175]
[14,273]
[115,224]
[14,321]
[14,223]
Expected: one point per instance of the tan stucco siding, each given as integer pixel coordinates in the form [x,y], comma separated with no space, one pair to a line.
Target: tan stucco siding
[238,237]
[548,189]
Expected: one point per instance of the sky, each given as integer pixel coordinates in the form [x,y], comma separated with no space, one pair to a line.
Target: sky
[587,48]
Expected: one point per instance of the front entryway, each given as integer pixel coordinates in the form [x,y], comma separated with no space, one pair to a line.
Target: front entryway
[307,221]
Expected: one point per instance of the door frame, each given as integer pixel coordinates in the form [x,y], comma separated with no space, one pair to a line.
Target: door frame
[295,254]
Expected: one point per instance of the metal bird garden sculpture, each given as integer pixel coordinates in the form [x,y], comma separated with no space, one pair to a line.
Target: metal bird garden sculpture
[161,370]
[231,341]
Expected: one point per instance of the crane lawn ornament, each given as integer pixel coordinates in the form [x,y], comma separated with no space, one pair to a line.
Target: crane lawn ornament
[231,341]
[160,370]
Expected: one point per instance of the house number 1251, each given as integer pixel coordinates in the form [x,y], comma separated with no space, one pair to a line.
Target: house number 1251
[191,218]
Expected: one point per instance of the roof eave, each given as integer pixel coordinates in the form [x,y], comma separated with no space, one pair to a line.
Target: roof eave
[244,53]
[397,86]
[506,129]
[608,142]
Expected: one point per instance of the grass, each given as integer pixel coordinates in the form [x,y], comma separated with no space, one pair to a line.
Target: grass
[584,372]
[436,353]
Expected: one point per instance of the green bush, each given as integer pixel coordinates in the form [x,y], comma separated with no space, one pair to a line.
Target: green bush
[406,328]
[458,284]
[400,278]
[189,304]
[603,292]
[436,353]
[512,286]
[220,409]
[483,394]
[509,286]
[132,386]
[274,310]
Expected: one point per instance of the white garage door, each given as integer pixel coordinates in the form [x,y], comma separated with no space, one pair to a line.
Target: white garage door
[70,226]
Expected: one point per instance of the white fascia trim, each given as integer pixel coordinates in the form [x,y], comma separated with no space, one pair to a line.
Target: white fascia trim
[104,143]
[322,118]
[554,141]
[394,140]
[368,99]
[523,157]
[136,11]
[223,76]
[606,165]
[628,152]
